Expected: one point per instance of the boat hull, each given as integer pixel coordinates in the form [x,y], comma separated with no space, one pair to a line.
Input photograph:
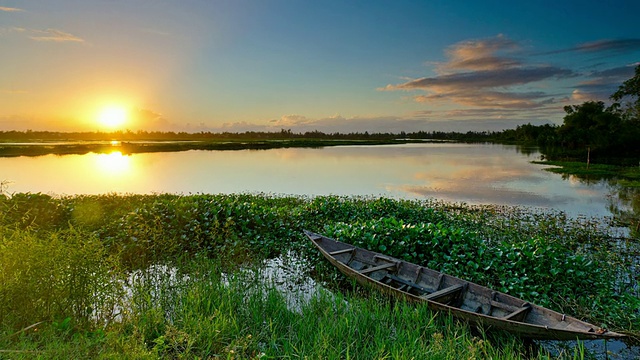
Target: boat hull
[473,303]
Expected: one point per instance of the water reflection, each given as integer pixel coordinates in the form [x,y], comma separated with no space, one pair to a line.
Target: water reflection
[625,206]
[622,200]
[113,163]
[484,178]
[471,173]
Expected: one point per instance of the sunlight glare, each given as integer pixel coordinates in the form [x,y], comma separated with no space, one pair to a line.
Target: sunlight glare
[113,117]
[113,163]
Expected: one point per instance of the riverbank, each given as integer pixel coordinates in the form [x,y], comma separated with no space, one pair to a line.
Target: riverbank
[625,179]
[11,149]
[629,175]
[57,253]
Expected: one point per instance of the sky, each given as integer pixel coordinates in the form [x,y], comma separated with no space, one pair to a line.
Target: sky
[331,66]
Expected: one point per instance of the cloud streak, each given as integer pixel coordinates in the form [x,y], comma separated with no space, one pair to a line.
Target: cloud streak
[504,100]
[477,80]
[10,9]
[599,85]
[486,73]
[480,55]
[495,77]
[48,35]
[54,35]
[617,46]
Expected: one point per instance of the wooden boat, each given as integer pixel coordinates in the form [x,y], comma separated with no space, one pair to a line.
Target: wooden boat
[476,304]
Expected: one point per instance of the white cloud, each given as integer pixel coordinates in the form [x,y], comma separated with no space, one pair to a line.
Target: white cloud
[53,35]
[289,120]
[428,120]
[480,55]
[10,9]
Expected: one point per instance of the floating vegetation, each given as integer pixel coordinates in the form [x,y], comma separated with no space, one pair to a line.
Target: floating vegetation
[84,244]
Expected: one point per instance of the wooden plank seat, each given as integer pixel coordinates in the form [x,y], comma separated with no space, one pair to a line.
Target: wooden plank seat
[519,314]
[376,268]
[338,252]
[503,306]
[406,283]
[443,293]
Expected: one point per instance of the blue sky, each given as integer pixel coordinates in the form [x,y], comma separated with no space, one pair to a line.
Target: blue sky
[309,65]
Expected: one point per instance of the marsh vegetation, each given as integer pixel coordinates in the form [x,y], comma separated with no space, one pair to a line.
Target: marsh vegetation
[66,265]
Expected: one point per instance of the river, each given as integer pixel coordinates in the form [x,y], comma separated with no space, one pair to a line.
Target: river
[469,173]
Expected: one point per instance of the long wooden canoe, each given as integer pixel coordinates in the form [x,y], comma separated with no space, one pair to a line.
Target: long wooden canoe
[476,304]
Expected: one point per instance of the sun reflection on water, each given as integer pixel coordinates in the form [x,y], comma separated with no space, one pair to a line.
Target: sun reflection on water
[113,163]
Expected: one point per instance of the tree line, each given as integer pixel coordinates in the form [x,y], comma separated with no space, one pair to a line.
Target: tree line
[604,133]
[283,134]
[608,134]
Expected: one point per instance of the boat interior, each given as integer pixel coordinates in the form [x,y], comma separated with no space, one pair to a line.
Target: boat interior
[431,285]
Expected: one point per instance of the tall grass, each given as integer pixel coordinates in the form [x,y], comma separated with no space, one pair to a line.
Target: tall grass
[51,276]
[237,317]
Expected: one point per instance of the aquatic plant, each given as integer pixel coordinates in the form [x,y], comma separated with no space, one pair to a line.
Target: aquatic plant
[572,265]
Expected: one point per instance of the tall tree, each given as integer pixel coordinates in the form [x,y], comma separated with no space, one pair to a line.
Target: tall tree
[630,90]
[590,124]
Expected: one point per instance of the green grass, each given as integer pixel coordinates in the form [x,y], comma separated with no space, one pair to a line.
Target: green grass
[64,263]
[629,175]
[54,275]
[203,316]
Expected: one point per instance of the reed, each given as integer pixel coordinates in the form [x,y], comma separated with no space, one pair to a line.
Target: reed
[203,314]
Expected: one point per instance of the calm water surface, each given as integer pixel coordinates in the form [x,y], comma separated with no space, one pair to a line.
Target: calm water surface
[471,173]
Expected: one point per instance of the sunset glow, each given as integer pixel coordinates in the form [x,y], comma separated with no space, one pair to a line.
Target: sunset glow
[113,117]
[113,164]
[384,67]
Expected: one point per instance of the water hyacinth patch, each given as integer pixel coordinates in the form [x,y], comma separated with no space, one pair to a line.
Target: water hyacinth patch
[571,265]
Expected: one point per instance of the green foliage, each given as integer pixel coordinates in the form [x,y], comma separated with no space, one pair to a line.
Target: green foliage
[528,134]
[241,318]
[590,130]
[54,263]
[591,124]
[630,89]
[609,132]
[38,211]
[537,268]
[52,276]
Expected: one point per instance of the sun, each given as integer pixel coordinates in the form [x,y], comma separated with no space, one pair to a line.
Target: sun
[113,117]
